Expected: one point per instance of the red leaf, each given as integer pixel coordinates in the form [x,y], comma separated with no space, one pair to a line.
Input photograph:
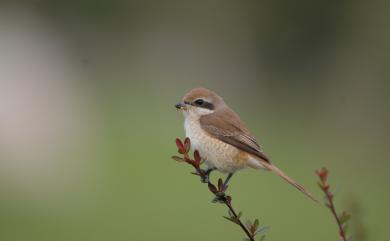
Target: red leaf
[187,144]
[212,188]
[197,155]
[197,158]
[180,146]
[323,174]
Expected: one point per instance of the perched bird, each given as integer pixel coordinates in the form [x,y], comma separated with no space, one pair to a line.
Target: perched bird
[221,138]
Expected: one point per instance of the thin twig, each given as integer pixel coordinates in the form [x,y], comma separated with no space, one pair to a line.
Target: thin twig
[219,190]
[228,204]
[325,187]
[333,210]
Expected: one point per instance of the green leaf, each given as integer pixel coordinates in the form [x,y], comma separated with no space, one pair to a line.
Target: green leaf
[177,158]
[239,214]
[248,224]
[231,219]
[344,217]
[262,230]
[256,223]
[262,238]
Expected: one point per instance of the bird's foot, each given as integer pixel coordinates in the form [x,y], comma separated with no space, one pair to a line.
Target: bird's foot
[205,178]
[220,197]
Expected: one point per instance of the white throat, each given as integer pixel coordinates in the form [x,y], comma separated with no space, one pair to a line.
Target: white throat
[196,112]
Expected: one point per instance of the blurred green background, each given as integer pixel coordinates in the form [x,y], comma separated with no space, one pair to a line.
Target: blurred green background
[87,123]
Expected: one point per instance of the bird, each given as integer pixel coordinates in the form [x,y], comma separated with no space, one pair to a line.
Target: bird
[222,139]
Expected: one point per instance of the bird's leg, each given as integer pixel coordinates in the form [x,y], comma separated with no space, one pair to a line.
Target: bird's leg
[227,179]
[206,178]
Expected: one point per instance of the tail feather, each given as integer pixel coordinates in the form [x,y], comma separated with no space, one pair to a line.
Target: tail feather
[281,174]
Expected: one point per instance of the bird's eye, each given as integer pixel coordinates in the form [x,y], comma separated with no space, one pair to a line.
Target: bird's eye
[199,102]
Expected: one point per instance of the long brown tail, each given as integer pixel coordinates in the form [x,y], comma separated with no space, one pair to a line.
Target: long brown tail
[288,179]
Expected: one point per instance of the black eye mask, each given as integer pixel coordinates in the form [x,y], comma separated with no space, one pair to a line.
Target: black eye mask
[203,104]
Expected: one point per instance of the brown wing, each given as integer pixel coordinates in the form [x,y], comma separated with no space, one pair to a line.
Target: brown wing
[226,126]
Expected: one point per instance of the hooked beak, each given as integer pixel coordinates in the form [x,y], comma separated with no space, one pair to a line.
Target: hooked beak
[181,106]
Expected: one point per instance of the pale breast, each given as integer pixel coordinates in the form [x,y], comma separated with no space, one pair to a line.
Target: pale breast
[215,153]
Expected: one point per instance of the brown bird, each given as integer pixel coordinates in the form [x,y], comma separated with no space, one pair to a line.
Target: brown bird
[221,138]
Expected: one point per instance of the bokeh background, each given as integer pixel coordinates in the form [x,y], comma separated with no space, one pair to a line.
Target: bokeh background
[87,123]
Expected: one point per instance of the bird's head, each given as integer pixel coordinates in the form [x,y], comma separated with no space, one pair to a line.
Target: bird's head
[198,102]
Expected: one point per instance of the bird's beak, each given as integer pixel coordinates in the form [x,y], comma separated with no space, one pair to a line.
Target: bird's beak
[181,106]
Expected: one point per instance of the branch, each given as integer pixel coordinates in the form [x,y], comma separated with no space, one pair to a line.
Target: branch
[219,190]
[342,220]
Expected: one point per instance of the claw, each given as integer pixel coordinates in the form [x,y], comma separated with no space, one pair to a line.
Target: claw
[205,179]
[220,197]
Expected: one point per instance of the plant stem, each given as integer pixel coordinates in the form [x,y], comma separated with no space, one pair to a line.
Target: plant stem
[333,210]
[325,187]
[227,203]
